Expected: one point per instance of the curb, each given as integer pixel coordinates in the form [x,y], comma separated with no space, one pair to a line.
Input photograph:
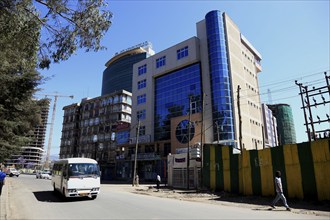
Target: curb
[4,202]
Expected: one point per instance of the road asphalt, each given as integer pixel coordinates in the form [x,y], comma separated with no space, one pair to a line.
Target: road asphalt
[218,198]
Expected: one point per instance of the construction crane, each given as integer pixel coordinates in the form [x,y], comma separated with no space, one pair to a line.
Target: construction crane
[55,95]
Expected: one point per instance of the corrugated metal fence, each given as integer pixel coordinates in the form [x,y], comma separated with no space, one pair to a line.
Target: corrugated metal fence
[305,170]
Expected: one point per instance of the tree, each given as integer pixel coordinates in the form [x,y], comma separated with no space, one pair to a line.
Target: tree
[33,34]
[66,25]
[18,80]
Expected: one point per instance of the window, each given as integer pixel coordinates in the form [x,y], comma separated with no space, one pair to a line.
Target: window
[142,84]
[182,132]
[183,52]
[160,62]
[142,130]
[193,107]
[141,114]
[141,99]
[142,69]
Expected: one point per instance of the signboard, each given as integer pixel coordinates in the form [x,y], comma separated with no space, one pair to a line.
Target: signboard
[142,139]
[144,44]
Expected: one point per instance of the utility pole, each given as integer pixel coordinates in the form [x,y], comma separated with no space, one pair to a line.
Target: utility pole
[52,125]
[308,94]
[188,159]
[239,118]
[202,132]
[303,104]
[310,112]
[136,148]
[218,135]
[240,136]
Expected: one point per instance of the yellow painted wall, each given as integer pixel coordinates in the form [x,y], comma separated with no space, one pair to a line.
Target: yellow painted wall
[247,177]
[266,172]
[226,168]
[321,158]
[293,171]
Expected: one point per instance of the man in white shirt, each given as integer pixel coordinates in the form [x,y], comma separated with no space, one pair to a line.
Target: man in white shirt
[158,181]
[279,192]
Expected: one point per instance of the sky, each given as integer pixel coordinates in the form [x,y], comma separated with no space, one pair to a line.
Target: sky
[292,37]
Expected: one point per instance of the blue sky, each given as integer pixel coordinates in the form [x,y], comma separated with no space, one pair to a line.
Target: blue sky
[292,37]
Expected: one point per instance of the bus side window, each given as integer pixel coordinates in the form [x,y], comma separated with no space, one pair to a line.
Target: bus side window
[65,171]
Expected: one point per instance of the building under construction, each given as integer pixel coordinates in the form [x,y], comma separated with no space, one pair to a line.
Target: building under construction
[32,154]
[285,124]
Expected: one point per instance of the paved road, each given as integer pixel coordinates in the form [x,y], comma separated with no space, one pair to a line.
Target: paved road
[30,198]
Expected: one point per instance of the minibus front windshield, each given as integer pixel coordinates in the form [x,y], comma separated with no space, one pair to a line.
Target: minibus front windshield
[83,170]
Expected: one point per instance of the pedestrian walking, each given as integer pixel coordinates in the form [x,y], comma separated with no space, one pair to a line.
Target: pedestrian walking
[137,180]
[2,180]
[279,192]
[158,180]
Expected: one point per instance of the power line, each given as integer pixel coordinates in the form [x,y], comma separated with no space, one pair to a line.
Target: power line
[292,79]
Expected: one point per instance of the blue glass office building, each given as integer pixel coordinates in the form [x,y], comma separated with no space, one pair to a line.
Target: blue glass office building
[197,80]
[118,74]
[222,109]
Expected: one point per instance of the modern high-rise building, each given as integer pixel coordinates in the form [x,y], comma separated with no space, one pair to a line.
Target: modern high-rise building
[204,89]
[118,74]
[270,127]
[285,124]
[99,127]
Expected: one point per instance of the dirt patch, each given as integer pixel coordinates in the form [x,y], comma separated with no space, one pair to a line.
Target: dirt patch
[227,199]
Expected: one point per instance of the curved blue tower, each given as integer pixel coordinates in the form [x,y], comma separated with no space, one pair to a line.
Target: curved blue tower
[220,80]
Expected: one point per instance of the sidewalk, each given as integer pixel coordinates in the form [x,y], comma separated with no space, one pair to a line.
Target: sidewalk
[4,201]
[225,199]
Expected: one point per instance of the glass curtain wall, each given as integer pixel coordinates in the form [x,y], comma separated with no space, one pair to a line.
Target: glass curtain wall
[220,83]
[173,93]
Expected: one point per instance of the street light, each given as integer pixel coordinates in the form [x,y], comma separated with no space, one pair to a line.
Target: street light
[135,157]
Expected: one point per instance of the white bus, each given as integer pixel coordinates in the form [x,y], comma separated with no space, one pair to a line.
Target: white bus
[76,177]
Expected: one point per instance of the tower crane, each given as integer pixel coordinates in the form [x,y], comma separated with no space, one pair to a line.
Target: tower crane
[55,95]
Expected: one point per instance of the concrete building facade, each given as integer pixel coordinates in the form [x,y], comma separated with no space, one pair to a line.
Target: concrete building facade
[285,124]
[270,127]
[200,77]
[94,127]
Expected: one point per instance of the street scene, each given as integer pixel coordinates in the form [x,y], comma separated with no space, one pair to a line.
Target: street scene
[164,109]
[122,201]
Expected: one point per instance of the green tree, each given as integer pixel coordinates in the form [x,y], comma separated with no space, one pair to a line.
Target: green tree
[66,25]
[33,34]
[18,80]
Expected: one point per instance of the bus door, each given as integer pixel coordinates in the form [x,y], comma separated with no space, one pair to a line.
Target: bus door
[64,176]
